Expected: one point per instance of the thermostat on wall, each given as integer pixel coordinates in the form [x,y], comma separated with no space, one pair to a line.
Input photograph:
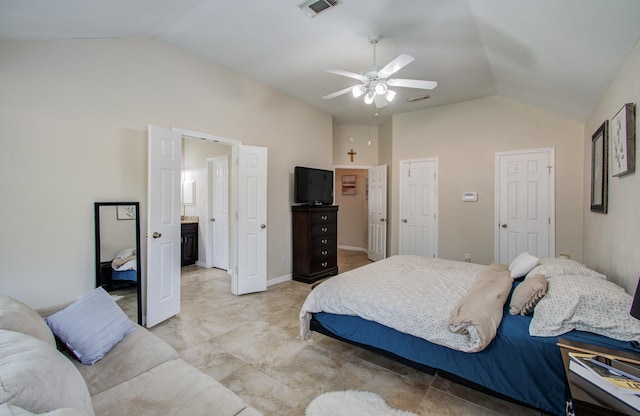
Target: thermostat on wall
[469,196]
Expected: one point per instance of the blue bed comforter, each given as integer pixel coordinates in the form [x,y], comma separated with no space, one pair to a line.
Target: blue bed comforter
[515,364]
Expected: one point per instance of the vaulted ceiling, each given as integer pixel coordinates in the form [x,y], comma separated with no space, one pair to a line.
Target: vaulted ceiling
[558,55]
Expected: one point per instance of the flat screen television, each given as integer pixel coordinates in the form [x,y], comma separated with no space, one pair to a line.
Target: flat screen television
[312,186]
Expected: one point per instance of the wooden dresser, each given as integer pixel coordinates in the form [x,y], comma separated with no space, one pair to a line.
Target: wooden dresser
[315,242]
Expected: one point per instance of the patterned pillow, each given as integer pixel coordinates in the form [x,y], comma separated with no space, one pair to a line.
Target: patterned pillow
[91,326]
[527,294]
[585,303]
[554,267]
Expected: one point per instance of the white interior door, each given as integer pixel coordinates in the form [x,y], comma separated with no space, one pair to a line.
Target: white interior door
[251,262]
[377,244]
[219,220]
[163,227]
[418,207]
[525,204]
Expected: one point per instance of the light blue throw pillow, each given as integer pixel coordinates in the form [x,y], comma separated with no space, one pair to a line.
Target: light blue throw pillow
[91,326]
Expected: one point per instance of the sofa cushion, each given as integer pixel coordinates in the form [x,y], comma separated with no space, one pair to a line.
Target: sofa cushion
[16,316]
[10,410]
[172,388]
[37,377]
[138,352]
[91,326]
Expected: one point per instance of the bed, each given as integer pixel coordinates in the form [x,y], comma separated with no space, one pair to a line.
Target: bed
[124,266]
[513,364]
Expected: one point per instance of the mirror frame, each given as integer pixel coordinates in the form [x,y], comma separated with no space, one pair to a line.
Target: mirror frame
[97,206]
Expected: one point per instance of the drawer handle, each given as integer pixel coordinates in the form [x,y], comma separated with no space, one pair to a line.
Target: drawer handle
[324,229]
[325,252]
[325,264]
[324,241]
[324,218]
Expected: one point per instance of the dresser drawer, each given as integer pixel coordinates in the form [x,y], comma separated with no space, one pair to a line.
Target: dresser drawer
[327,241]
[323,217]
[322,229]
[323,250]
[318,265]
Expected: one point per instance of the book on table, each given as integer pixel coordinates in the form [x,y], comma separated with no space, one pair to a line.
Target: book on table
[606,377]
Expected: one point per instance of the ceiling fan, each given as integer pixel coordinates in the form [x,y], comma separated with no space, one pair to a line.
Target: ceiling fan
[376,82]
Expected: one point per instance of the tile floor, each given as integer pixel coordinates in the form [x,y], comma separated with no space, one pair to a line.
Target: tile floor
[251,344]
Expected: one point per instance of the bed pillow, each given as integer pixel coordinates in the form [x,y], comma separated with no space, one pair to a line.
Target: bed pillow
[16,316]
[527,295]
[585,303]
[37,377]
[522,264]
[91,326]
[554,267]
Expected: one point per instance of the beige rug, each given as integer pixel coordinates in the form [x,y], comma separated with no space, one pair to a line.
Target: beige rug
[352,403]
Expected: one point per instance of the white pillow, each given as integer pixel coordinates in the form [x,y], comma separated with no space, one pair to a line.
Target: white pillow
[91,326]
[522,265]
[585,303]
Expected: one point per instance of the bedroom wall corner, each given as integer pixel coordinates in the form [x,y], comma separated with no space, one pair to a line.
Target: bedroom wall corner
[611,241]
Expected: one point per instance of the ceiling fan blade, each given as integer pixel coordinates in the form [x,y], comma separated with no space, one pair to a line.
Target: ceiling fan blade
[337,93]
[359,77]
[395,65]
[380,101]
[412,83]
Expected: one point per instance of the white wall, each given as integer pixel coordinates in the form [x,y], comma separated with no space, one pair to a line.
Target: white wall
[465,137]
[73,130]
[612,240]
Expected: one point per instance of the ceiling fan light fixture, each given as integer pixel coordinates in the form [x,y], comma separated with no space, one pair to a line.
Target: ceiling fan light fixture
[381,88]
[368,99]
[390,95]
[358,90]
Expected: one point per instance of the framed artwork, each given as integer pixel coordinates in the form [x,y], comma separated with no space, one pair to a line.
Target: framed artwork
[348,184]
[599,169]
[126,212]
[623,141]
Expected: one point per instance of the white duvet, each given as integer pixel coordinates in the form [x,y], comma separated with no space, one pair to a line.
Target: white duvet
[410,294]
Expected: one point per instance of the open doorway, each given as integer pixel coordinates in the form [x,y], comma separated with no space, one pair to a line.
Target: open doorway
[205,169]
[351,196]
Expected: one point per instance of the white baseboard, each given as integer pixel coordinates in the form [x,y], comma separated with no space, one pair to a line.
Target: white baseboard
[280,279]
[364,250]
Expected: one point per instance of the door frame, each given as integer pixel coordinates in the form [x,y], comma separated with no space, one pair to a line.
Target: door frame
[335,179]
[233,195]
[552,197]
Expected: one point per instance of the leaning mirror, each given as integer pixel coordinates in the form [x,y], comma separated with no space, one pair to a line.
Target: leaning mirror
[117,232]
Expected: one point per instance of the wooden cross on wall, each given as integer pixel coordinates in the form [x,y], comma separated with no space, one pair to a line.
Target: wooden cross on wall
[351,153]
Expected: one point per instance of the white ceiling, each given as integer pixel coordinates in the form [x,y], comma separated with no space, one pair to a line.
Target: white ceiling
[559,55]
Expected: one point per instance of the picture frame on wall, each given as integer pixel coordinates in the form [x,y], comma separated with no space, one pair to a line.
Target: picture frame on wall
[126,212]
[349,184]
[599,169]
[623,141]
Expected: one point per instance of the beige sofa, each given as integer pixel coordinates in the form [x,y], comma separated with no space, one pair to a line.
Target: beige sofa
[141,375]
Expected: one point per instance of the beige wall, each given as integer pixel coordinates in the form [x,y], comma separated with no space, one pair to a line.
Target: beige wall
[366,154]
[465,137]
[73,130]
[612,240]
[352,211]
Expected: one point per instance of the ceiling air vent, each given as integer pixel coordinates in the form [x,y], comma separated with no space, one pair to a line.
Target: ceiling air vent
[313,8]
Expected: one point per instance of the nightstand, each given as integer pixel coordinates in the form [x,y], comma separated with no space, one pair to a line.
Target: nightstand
[588,399]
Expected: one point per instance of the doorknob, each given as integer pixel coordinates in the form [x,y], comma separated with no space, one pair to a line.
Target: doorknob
[212,220]
[504,225]
[383,219]
[404,220]
[263,226]
[156,235]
